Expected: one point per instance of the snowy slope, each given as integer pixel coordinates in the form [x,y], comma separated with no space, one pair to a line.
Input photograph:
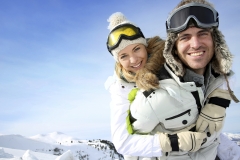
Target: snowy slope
[55,146]
[234,137]
[54,138]
[15,154]
[58,146]
[20,142]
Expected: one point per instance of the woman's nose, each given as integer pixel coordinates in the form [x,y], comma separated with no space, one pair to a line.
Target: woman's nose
[133,59]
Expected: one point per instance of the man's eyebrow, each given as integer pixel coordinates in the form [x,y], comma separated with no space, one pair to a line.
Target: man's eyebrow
[186,34]
[204,30]
[182,34]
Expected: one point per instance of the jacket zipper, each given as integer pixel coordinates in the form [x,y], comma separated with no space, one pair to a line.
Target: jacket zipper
[187,111]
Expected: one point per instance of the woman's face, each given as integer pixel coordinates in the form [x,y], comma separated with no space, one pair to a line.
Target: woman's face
[133,57]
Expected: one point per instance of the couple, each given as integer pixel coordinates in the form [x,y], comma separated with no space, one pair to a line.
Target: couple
[169,98]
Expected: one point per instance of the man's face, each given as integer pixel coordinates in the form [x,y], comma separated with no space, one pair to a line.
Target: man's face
[195,48]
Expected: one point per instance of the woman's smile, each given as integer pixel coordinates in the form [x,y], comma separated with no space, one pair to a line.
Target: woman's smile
[137,65]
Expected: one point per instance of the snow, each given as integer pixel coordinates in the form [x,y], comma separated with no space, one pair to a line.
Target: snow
[17,154]
[234,137]
[229,151]
[58,146]
[5,155]
[66,156]
[53,138]
[29,156]
[54,146]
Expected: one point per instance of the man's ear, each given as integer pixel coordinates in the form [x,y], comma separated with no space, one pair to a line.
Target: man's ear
[176,52]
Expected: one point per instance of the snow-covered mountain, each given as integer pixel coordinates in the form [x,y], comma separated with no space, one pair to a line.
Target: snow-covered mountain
[58,146]
[55,146]
[234,137]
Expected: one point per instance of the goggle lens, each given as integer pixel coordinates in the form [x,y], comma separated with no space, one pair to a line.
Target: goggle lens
[203,15]
[179,18]
[116,34]
[125,31]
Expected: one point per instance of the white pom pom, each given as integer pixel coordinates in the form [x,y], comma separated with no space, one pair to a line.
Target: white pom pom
[115,19]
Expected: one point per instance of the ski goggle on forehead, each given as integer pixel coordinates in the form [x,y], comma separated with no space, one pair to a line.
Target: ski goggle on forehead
[204,16]
[124,31]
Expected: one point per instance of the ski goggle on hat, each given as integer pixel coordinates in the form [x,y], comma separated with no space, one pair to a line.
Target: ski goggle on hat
[204,16]
[124,31]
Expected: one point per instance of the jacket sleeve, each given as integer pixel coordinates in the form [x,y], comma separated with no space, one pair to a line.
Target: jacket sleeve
[144,114]
[125,143]
[228,149]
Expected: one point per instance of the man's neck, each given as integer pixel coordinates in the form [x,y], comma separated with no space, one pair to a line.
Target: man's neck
[191,76]
[201,79]
[199,71]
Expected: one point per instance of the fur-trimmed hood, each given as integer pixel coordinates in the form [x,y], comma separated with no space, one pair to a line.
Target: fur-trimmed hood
[221,61]
[146,78]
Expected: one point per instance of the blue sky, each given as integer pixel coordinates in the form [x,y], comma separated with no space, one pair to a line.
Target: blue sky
[54,62]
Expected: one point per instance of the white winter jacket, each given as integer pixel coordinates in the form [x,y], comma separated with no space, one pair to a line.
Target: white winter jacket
[143,145]
[173,107]
[125,143]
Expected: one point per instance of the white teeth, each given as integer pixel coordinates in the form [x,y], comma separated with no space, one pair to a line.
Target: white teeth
[136,65]
[196,54]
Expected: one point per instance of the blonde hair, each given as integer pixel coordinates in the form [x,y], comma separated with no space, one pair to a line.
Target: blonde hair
[146,78]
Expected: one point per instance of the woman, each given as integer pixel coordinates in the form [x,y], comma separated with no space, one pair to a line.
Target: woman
[131,53]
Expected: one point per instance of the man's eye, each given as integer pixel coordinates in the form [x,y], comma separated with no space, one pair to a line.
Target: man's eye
[182,38]
[204,33]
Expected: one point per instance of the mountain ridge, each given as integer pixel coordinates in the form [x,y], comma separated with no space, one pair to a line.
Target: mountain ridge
[58,146]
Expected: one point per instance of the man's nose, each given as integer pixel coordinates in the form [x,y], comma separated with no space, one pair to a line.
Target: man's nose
[195,42]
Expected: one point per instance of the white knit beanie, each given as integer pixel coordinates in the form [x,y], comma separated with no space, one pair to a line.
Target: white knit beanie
[115,20]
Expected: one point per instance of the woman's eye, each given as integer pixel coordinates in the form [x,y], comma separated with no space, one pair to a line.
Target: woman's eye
[123,56]
[136,49]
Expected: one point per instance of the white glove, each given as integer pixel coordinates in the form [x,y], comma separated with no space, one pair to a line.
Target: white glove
[186,141]
[213,114]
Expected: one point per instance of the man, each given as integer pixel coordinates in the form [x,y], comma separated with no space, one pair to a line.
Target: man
[194,86]
[195,50]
